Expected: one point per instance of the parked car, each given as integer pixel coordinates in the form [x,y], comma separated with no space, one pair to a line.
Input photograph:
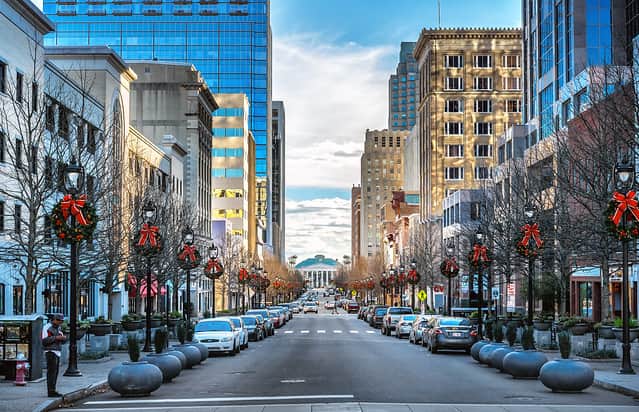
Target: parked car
[389,322]
[368,316]
[275,319]
[420,324]
[289,309]
[219,335]
[352,307]
[449,332]
[404,325]
[378,316]
[254,328]
[295,307]
[270,328]
[311,307]
[239,325]
[280,312]
[329,305]
[361,312]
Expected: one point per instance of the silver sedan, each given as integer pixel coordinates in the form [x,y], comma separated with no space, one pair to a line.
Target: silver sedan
[404,325]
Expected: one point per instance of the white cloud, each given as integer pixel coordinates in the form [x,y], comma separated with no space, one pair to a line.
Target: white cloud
[332,94]
[318,226]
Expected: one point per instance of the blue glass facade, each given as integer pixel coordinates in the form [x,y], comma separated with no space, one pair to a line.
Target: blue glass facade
[228,41]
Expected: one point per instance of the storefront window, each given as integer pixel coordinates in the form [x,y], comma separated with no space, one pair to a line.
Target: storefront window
[55,293]
[585,299]
[18,300]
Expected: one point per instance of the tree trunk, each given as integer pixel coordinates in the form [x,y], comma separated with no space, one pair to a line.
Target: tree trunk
[605,292]
[29,296]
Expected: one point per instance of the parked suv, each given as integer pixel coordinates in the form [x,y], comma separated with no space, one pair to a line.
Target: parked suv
[389,322]
[378,313]
[352,307]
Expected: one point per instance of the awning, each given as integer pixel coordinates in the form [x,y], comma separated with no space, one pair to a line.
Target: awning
[587,271]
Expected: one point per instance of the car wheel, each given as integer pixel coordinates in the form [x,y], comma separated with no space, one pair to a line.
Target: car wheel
[233,352]
[433,349]
[237,349]
[382,331]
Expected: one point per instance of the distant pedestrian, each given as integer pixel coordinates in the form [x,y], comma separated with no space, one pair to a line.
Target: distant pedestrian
[52,340]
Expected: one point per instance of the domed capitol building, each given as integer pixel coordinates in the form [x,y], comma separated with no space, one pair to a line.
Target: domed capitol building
[318,271]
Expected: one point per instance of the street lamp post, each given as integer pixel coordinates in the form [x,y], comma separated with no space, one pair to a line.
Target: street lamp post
[393,277]
[187,238]
[625,176]
[149,215]
[213,254]
[530,218]
[480,259]
[450,253]
[384,283]
[73,180]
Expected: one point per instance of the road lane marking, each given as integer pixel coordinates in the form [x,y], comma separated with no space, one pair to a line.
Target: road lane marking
[304,331]
[354,331]
[321,331]
[229,399]
[293,381]
[337,331]
[370,331]
[288,331]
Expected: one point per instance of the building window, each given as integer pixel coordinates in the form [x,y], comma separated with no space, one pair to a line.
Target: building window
[511,83]
[454,173]
[454,128]
[483,83]
[581,100]
[483,106]
[513,106]
[453,62]
[50,118]
[18,299]
[511,61]
[1,216]
[17,218]
[483,128]
[18,159]
[19,86]
[3,77]
[3,145]
[482,61]
[454,83]
[475,210]
[454,106]
[566,112]
[2,297]
[482,173]
[34,159]
[483,150]
[34,96]
[454,150]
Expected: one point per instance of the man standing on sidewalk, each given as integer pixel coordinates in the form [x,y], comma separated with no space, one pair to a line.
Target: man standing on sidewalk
[52,340]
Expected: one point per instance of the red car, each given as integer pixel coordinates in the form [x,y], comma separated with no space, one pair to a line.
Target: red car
[275,318]
[352,307]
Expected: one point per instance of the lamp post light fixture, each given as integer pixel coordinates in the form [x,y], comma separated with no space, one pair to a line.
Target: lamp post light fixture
[149,212]
[213,254]
[479,237]
[625,178]
[529,212]
[187,238]
[73,182]
[450,253]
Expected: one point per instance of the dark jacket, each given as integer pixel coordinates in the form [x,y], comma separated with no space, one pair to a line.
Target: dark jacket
[49,333]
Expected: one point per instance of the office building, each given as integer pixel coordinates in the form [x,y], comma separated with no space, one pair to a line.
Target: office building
[403,90]
[470,91]
[356,207]
[231,164]
[278,185]
[381,174]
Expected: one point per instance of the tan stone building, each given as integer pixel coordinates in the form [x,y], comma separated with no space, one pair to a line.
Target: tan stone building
[381,174]
[470,89]
[356,207]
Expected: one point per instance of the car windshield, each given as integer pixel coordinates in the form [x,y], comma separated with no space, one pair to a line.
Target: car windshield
[213,326]
[423,324]
[249,320]
[410,317]
[380,311]
[400,311]
[454,322]
[237,322]
[264,313]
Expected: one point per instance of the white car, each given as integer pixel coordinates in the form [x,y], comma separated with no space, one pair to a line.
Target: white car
[219,335]
[310,307]
[239,324]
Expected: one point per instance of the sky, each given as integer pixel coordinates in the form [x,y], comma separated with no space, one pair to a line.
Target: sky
[331,64]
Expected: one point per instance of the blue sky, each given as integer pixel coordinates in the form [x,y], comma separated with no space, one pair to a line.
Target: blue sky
[331,63]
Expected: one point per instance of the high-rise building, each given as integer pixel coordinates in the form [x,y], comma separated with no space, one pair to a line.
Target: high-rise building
[381,173]
[562,40]
[356,207]
[470,93]
[278,184]
[228,41]
[403,91]
[231,164]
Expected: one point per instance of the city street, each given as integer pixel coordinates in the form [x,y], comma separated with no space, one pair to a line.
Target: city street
[328,358]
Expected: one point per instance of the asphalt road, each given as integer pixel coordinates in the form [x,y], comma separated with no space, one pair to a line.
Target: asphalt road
[338,359]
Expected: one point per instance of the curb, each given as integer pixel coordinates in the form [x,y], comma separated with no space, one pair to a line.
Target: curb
[616,388]
[82,393]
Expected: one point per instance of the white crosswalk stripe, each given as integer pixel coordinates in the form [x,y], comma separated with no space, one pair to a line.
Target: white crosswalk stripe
[354,331]
[321,331]
[304,331]
[337,331]
[288,331]
[370,331]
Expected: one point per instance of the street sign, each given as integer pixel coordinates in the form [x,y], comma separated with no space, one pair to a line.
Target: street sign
[421,295]
[354,292]
[495,292]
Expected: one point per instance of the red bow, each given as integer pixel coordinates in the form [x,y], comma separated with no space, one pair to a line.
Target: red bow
[243,275]
[188,252]
[72,206]
[213,266]
[450,265]
[531,231]
[148,233]
[624,202]
[479,254]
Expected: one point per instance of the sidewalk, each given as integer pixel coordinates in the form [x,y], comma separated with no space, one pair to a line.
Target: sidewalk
[33,396]
[606,377]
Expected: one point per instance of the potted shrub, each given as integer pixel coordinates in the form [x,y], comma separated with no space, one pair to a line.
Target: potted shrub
[543,321]
[497,357]
[617,330]
[174,317]
[604,329]
[514,319]
[192,353]
[511,334]
[526,363]
[131,322]
[576,325]
[565,374]
[474,318]
[169,364]
[156,320]
[100,326]
[80,331]
[135,378]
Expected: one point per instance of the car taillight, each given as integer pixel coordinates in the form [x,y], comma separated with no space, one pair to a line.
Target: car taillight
[438,331]
[473,333]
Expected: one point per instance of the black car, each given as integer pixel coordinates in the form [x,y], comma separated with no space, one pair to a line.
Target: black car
[255,327]
[266,315]
[448,332]
[378,315]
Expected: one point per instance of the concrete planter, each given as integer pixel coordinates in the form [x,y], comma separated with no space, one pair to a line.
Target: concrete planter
[497,357]
[566,375]
[474,350]
[605,332]
[486,352]
[192,353]
[579,329]
[135,378]
[100,329]
[180,357]
[168,364]
[618,332]
[130,326]
[542,325]
[204,351]
[524,364]
[155,323]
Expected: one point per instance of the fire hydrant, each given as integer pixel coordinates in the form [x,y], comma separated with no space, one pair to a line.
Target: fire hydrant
[21,369]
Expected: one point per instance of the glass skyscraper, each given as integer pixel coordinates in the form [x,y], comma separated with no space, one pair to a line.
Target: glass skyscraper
[228,41]
[402,90]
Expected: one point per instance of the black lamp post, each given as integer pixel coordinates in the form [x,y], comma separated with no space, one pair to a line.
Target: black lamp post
[149,215]
[213,254]
[479,237]
[450,253]
[625,176]
[187,238]
[384,285]
[264,286]
[392,274]
[529,211]
[73,181]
